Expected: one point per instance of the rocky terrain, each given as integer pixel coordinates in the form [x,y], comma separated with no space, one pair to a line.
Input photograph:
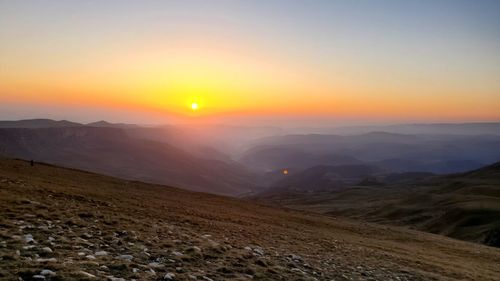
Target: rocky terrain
[62,224]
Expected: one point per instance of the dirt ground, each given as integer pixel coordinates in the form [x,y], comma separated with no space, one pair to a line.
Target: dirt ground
[62,224]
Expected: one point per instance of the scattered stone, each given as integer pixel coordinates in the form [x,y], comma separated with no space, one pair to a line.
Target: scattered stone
[38,277]
[46,260]
[47,250]
[48,272]
[169,276]
[28,238]
[86,274]
[101,253]
[156,265]
[175,253]
[259,251]
[90,257]
[125,257]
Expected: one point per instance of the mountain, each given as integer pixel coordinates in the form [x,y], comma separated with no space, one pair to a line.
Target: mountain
[427,129]
[464,206]
[439,154]
[113,152]
[38,123]
[105,124]
[66,224]
[323,178]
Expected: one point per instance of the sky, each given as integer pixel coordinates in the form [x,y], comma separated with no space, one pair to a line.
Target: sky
[308,61]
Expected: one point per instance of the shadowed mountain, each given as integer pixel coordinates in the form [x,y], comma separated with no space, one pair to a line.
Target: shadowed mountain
[113,152]
[396,152]
[323,178]
[38,123]
[427,129]
[464,206]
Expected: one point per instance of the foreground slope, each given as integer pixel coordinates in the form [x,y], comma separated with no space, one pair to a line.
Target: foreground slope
[79,225]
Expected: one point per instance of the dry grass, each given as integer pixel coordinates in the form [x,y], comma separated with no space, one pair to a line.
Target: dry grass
[90,213]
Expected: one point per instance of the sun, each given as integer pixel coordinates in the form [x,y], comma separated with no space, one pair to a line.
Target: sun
[194,106]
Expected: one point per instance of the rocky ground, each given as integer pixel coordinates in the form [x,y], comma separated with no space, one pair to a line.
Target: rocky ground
[61,224]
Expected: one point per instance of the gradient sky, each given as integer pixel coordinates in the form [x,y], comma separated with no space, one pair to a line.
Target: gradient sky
[147,61]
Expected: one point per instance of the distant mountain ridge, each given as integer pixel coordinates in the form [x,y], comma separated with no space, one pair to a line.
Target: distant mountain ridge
[113,152]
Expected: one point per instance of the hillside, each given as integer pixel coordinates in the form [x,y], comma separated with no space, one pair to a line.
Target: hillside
[113,152]
[464,206]
[67,224]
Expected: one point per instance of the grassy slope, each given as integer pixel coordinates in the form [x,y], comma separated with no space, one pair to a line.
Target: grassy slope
[88,212]
[464,206]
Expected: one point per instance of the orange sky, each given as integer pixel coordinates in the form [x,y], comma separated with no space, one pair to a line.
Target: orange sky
[237,70]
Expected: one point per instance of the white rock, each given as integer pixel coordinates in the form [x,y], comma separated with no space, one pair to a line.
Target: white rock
[169,276]
[38,277]
[101,253]
[125,257]
[50,239]
[28,247]
[175,253]
[28,238]
[247,248]
[47,250]
[259,251]
[156,265]
[47,260]
[86,274]
[208,279]
[81,253]
[135,270]
[48,272]
[90,257]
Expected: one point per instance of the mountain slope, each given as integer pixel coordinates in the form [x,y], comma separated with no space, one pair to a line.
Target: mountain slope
[465,206]
[111,151]
[84,225]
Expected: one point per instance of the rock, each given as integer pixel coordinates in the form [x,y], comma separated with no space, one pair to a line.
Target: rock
[207,279]
[38,277]
[101,253]
[86,274]
[28,247]
[81,253]
[175,253]
[259,251]
[50,239]
[28,238]
[112,278]
[135,270]
[46,260]
[169,276]
[47,250]
[156,265]
[90,257]
[125,257]
[47,272]
[247,248]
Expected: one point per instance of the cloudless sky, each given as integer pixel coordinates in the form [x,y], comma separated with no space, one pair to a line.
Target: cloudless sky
[150,60]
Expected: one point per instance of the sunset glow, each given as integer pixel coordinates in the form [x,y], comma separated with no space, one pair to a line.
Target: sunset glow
[246,59]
